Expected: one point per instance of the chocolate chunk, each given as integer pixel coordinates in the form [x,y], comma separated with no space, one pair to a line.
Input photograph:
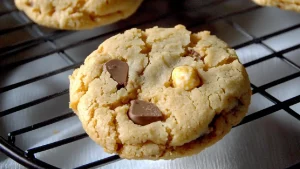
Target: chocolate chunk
[144,113]
[118,71]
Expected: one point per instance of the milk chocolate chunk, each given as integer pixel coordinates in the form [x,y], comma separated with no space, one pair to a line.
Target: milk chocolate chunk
[144,113]
[118,71]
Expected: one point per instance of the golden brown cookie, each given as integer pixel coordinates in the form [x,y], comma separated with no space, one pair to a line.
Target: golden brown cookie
[161,93]
[77,14]
[283,4]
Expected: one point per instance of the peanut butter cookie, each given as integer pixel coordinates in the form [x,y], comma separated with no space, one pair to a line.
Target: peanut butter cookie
[161,93]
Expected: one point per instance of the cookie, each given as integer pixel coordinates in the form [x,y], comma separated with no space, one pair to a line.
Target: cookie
[77,14]
[283,4]
[161,93]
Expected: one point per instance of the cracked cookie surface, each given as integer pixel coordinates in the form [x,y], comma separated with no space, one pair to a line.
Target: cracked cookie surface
[77,14]
[192,119]
[293,5]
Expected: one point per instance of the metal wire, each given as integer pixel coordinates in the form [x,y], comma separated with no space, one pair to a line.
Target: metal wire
[27,158]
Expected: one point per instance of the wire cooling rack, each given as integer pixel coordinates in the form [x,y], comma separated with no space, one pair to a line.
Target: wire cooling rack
[23,42]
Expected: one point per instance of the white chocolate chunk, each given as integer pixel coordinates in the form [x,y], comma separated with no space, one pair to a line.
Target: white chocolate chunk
[185,77]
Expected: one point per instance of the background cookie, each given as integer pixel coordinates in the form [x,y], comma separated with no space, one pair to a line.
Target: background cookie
[283,4]
[194,113]
[77,14]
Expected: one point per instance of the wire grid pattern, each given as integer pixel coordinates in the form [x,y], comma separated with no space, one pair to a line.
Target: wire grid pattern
[8,50]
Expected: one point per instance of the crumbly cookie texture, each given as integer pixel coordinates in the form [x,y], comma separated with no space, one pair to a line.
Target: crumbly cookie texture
[77,14]
[293,5]
[192,119]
